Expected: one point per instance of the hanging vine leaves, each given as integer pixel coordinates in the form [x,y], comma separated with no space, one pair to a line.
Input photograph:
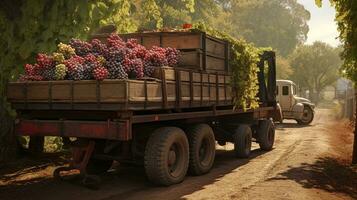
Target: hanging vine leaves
[29,27]
[243,62]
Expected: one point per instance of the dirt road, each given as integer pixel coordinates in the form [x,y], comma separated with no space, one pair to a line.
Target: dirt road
[306,163]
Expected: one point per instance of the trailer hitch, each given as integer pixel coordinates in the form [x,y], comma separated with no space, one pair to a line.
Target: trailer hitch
[82,151]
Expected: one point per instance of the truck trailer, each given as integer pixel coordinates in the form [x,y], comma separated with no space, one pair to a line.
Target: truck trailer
[170,124]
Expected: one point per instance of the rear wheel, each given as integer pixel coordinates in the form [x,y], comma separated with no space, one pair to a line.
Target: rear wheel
[242,139]
[167,156]
[202,149]
[266,135]
[307,117]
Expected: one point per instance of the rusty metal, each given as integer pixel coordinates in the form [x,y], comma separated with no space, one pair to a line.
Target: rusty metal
[85,129]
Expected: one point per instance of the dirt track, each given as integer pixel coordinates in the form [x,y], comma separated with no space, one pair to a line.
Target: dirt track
[307,163]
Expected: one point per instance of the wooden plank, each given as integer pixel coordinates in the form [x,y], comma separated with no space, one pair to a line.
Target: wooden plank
[61,91]
[37,91]
[112,91]
[191,59]
[84,91]
[215,47]
[214,63]
[150,41]
[187,41]
[15,91]
[185,75]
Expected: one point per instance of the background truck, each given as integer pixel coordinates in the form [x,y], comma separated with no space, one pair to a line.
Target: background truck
[170,124]
[293,106]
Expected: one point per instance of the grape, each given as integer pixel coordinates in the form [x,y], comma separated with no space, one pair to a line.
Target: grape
[100,73]
[60,71]
[58,57]
[134,68]
[99,48]
[44,61]
[116,70]
[24,78]
[29,70]
[66,50]
[82,48]
[95,60]
[172,56]
[115,41]
[76,72]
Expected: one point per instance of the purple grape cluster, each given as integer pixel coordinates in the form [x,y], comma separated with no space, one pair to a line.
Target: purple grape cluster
[82,48]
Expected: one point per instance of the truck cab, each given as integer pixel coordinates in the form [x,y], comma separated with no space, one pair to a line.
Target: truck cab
[293,106]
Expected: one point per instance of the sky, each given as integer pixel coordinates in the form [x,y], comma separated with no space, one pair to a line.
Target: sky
[322,25]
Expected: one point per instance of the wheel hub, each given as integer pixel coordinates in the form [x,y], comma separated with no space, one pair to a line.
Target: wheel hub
[172,157]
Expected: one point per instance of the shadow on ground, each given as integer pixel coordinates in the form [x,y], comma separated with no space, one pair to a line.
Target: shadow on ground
[326,173]
[283,126]
[127,182]
[31,163]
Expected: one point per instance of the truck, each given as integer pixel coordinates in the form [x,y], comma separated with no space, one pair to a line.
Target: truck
[293,106]
[170,124]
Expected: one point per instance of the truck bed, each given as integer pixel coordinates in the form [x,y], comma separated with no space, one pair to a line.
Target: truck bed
[172,88]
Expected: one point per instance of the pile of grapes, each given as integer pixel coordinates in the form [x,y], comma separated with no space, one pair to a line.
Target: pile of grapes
[115,59]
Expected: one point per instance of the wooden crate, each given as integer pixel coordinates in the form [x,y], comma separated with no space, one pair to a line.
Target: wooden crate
[197,89]
[199,50]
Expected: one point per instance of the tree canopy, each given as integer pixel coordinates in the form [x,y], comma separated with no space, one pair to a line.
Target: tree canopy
[315,67]
[346,18]
[280,24]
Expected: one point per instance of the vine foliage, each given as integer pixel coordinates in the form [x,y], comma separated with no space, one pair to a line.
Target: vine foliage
[29,27]
[243,61]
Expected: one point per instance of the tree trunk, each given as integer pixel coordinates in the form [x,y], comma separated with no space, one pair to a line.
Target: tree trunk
[354,154]
[8,141]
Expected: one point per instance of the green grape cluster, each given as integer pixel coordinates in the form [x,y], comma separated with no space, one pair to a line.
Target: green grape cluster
[58,57]
[101,60]
[60,71]
[66,50]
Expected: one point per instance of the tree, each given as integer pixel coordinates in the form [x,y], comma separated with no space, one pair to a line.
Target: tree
[283,68]
[346,18]
[29,27]
[280,24]
[315,67]
[153,14]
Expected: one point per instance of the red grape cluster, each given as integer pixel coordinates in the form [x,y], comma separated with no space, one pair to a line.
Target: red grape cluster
[75,68]
[30,70]
[82,48]
[115,41]
[172,56]
[44,61]
[134,68]
[156,57]
[25,78]
[100,73]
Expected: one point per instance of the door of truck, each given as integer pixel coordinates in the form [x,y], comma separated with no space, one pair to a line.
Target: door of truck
[285,97]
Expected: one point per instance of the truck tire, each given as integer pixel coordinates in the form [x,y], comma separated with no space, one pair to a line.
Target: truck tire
[242,139]
[167,156]
[266,135]
[307,117]
[202,149]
